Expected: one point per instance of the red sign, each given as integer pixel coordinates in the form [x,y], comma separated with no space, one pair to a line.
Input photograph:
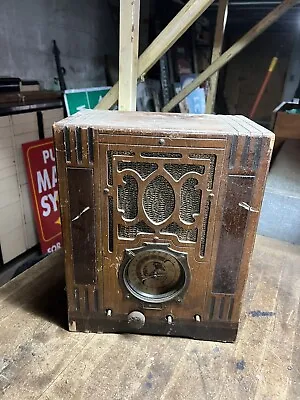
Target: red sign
[42,178]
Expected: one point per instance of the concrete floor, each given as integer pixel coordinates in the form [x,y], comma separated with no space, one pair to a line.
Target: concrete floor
[40,359]
[18,265]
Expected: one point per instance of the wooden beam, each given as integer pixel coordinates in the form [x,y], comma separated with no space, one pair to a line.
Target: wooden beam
[128,53]
[217,51]
[232,51]
[172,32]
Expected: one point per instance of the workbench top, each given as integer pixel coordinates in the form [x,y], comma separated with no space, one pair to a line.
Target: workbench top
[40,359]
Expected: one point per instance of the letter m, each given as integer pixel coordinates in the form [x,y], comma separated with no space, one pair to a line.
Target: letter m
[43,181]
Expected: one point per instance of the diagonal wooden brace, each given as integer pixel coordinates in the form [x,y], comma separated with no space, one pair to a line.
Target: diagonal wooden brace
[232,51]
[172,32]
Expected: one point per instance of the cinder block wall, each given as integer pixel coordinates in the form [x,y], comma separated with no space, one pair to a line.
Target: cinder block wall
[84,31]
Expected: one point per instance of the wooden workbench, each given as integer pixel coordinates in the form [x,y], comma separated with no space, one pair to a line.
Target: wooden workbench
[40,359]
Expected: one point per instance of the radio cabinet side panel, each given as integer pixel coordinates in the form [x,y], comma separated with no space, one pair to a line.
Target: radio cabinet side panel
[75,157]
[266,147]
[248,166]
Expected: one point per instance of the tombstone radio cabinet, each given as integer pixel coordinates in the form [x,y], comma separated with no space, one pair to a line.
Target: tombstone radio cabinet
[159,214]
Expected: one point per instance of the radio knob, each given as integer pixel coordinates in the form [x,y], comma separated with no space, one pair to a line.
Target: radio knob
[136,319]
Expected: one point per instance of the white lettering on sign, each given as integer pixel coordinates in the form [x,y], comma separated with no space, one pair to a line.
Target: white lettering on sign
[54,176]
[43,179]
[45,206]
[54,247]
[47,181]
[48,154]
[49,203]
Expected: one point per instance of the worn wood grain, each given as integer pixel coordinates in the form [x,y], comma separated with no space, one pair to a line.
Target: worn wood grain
[40,359]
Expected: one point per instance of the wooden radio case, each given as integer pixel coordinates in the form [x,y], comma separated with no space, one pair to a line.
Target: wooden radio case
[159,214]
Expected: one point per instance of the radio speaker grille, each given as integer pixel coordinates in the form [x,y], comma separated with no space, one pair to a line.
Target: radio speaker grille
[160,196]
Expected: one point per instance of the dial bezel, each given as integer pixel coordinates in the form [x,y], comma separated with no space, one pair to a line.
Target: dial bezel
[175,294]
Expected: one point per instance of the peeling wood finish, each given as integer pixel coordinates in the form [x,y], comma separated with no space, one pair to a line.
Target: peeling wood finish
[40,359]
[211,170]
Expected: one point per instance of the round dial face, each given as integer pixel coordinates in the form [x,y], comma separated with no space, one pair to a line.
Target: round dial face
[154,275]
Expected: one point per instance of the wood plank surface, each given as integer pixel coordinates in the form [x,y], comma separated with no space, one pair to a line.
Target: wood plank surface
[40,359]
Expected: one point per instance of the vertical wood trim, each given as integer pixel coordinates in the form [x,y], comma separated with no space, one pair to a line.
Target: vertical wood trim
[256,202]
[91,298]
[216,313]
[73,146]
[172,32]
[217,50]
[84,140]
[128,53]
[61,159]
[227,303]
[99,166]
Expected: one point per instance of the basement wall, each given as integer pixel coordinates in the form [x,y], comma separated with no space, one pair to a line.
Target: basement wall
[84,32]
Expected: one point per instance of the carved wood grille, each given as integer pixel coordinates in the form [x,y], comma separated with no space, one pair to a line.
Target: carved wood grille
[166,194]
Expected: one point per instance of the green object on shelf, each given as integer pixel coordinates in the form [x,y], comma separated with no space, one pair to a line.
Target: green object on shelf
[294,111]
[78,99]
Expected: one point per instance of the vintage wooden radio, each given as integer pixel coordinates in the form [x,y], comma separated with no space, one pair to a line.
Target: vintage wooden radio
[159,214]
